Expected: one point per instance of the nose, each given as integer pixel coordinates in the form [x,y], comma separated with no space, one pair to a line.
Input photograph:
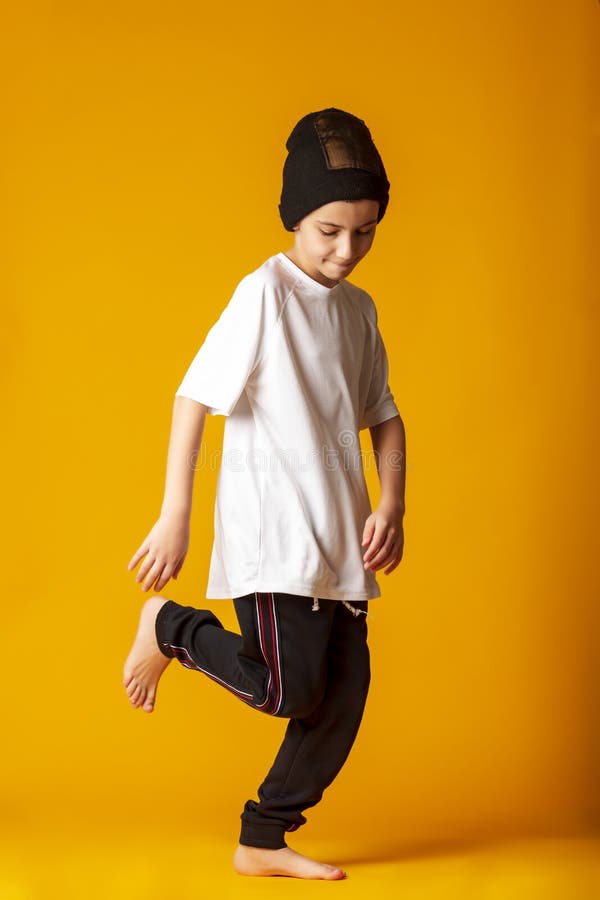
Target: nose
[346,248]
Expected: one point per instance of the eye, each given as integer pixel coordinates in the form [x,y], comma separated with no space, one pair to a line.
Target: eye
[361,233]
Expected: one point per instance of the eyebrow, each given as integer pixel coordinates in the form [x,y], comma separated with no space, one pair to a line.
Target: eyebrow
[334,225]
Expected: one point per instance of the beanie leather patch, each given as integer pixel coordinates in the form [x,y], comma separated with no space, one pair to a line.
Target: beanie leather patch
[345,143]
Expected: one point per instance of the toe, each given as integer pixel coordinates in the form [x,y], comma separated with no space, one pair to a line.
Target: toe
[150,699]
[135,696]
[140,699]
[335,873]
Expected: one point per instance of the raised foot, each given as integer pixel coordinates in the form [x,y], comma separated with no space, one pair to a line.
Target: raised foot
[284,861]
[145,663]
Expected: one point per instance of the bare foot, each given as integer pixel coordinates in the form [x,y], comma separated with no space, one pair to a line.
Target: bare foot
[145,663]
[285,861]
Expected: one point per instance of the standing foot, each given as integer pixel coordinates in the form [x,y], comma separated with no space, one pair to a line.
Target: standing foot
[145,663]
[284,861]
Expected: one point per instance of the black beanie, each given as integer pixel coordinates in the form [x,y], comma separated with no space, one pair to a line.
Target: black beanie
[331,156]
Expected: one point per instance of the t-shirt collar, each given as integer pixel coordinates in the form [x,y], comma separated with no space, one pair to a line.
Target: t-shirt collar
[307,280]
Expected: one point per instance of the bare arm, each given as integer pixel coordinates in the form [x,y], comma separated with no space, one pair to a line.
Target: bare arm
[187,427]
[166,545]
[389,445]
[383,531]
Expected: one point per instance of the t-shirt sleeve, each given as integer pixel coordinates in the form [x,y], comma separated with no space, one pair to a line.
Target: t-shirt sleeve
[232,348]
[380,404]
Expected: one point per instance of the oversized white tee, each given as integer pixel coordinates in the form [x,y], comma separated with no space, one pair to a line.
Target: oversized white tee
[298,369]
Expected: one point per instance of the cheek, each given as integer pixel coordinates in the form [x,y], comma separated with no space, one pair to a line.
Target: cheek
[366,246]
[321,247]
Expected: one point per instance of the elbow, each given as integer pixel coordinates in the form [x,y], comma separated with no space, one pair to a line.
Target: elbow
[182,400]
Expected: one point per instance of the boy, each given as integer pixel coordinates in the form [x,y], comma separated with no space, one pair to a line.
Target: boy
[297,365]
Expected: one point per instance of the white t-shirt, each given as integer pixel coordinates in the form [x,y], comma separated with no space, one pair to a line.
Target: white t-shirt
[298,368]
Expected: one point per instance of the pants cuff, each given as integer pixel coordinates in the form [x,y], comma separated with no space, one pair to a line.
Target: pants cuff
[159,627]
[267,835]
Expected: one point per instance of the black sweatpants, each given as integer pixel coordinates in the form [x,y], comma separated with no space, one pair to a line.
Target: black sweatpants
[290,660]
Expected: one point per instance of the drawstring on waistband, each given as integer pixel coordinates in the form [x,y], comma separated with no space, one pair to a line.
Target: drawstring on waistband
[353,609]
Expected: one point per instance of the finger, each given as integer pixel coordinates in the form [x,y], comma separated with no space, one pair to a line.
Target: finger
[385,554]
[166,574]
[375,542]
[386,538]
[397,561]
[380,561]
[393,559]
[380,544]
[145,568]
[154,573]
[137,556]
[368,531]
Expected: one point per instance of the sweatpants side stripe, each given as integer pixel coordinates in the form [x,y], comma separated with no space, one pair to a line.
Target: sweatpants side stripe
[189,663]
[276,654]
[262,650]
[269,641]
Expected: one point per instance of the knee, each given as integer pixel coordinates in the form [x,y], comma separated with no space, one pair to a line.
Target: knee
[300,702]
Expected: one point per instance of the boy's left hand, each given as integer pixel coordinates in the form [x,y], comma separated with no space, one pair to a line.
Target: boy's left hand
[384,535]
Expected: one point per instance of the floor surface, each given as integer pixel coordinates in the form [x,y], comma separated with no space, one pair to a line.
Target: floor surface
[147,867]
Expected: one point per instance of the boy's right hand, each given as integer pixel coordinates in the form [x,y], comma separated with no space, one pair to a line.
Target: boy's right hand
[165,549]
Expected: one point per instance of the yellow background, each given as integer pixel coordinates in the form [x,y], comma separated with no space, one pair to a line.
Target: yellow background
[141,156]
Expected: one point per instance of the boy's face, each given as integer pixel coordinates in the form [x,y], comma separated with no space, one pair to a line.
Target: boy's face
[331,240]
